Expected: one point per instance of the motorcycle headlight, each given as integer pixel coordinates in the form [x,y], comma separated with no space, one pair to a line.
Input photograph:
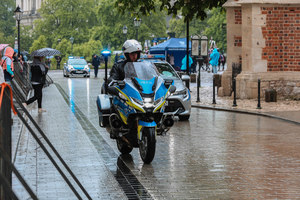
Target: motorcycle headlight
[122,96]
[137,101]
[158,101]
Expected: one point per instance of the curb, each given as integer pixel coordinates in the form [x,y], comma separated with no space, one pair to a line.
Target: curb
[244,112]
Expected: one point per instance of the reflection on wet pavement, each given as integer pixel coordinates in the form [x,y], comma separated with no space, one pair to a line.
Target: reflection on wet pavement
[214,155]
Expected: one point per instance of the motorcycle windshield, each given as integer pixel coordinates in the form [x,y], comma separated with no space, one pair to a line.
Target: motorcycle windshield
[140,70]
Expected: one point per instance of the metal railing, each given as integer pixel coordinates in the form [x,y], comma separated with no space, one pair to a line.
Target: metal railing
[20,89]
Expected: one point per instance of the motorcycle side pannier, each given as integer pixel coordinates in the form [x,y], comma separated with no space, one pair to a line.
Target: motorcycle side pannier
[103,105]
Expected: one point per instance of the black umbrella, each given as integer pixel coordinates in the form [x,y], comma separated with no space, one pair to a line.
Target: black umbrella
[45,52]
[24,53]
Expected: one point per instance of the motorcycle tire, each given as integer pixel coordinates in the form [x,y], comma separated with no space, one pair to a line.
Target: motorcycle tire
[123,147]
[147,144]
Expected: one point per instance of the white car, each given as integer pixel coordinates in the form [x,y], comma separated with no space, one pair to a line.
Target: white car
[76,66]
[181,98]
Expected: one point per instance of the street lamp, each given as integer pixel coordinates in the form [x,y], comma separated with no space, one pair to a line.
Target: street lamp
[137,23]
[18,15]
[72,40]
[125,31]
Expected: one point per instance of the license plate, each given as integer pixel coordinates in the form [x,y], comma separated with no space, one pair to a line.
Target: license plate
[79,72]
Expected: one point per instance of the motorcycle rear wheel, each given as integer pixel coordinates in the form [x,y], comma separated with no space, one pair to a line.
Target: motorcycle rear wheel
[148,144]
[123,147]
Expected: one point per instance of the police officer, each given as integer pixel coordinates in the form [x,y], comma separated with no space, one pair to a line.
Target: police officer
[132,50]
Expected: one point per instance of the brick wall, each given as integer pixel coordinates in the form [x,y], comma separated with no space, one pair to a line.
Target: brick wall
[237,16]
[237,41]
[282,38]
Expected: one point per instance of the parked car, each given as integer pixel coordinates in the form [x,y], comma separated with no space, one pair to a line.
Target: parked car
[181,99]
[76,66]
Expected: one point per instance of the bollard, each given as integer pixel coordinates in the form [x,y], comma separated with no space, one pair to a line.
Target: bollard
[214,93]
[198,85]
[258,94]
[234,93]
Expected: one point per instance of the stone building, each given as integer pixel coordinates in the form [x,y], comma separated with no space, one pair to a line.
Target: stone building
[30,11]
[264,37]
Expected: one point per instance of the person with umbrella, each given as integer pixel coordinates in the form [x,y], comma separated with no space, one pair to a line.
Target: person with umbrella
[38,78]
[38,75]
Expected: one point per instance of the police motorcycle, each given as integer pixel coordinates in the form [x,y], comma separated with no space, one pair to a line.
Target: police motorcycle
[133,110]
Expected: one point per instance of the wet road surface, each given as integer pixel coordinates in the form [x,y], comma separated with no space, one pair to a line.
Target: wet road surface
[214,155]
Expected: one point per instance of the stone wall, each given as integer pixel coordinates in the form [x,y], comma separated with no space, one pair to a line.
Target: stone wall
[267,42]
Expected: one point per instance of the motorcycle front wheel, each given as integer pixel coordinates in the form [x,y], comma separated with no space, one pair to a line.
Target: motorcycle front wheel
[147,144]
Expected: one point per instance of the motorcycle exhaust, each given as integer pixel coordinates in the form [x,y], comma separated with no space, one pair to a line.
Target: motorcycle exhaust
[114,121]
[168,122]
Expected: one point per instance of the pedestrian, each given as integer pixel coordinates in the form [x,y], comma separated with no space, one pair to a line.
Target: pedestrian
[172,61]
[183,62]
[38,78]
[58,60]
[168,58]
[48,62]
[96,63]
[194,65]
[116,57]
[223,61]
[7,63]
[214,58]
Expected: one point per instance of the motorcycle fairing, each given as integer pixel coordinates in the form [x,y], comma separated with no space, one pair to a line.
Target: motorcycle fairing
[147,85]
[142,124]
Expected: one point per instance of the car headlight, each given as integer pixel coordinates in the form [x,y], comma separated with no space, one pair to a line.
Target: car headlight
[182,92]
[86,67]
[70,67]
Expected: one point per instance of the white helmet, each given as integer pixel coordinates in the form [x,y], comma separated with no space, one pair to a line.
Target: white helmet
[130,46]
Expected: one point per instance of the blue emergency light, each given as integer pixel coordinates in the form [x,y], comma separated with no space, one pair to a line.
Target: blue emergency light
[106,52]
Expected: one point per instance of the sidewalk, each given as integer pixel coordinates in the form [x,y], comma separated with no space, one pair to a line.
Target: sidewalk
[287,109]
[66,134]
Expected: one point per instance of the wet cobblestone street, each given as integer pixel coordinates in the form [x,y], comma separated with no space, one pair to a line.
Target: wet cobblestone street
[214,155]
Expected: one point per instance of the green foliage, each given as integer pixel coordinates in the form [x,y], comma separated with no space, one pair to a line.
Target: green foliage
[187,8]
[7,21]
[26,39]
[7,39]
[38,44]
[216,28]
[87,49]
[213,26]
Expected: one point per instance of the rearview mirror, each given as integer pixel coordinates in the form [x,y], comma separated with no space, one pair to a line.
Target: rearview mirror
[185,77]
[112,90]
[172,89]
[168,82]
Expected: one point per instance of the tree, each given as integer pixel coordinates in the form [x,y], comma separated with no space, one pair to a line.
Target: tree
[7,21]
[39,43]
[216,28]
[187,8]
[212,26]
[66,18]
